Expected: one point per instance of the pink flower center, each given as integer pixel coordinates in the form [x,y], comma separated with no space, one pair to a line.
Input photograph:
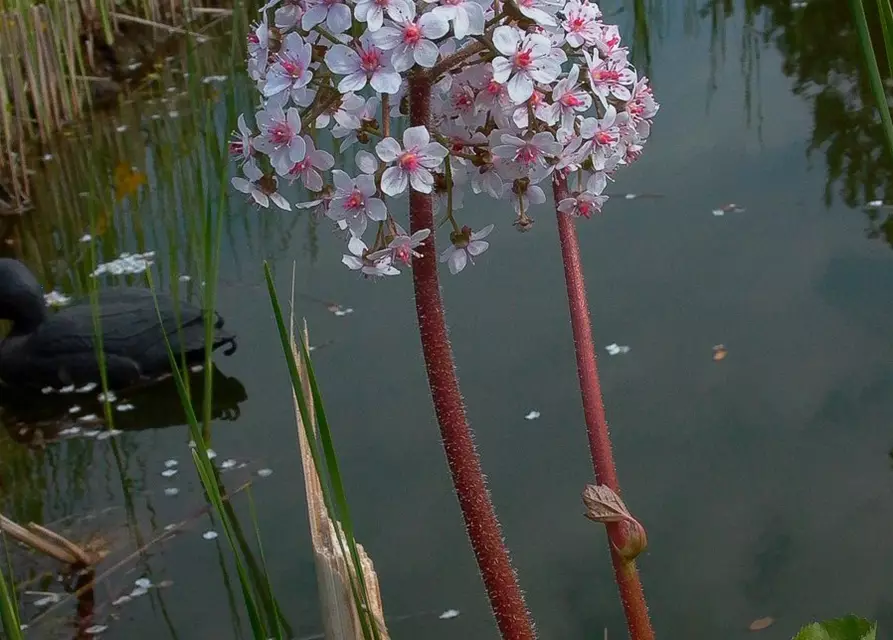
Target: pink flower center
[408,161]
[493,88]
[354,201]
[300,167]
[523,59]
[526,3]
[605,75]
[412,34]
[527,154]
[403,253]
[253,39]
[578,24]
[571,100]
[281,133]
[535,99]
[451,3]
[604,138]
[292,67]
[370,59]
[236,147]
[464,101]
[585,208]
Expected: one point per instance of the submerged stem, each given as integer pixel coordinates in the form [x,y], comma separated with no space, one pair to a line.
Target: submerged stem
[483,529]
[625,573]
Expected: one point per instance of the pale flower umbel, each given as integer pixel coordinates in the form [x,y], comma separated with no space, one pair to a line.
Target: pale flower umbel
[412,162]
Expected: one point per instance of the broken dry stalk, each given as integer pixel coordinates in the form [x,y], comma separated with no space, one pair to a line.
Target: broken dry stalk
[47,542]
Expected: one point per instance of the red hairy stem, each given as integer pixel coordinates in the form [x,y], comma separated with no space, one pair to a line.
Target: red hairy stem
[483,529]
[625,572]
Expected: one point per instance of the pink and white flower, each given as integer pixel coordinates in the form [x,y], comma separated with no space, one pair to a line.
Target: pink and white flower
[612,76]
[567,101]
[372,11]
[361,260]
[467,16]
[280,136]
[603,139]
[354,203]
[291,71]
[315,160]
[581,23]
[528,154]
[262,188]
[413,161]
[583,205]
[366,63]
[527,60]
[240,146]
[402,247]
[533,9]
[410,39]
[466,246]
[335,13]
[288,16]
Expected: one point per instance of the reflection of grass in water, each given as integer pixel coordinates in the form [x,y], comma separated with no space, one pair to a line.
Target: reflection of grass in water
[158,183]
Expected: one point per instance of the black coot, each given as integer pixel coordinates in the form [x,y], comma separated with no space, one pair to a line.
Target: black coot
[47,350]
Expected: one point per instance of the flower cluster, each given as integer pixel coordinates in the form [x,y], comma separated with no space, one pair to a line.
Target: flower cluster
[525,92]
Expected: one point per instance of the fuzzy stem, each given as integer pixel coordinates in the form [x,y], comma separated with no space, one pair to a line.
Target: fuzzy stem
[625,573]
[506,599]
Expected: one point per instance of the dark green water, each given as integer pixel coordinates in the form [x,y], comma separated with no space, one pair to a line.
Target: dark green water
[764,479]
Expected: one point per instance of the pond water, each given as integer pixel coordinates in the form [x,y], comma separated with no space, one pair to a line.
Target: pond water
[763,479]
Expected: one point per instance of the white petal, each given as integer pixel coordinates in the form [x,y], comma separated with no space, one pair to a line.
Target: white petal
[366,162]
[506,40]
[457,261]
[376,210]
[353,82]
[426,53]
[388,150]
[403,59]
[343,182]
[393,181]
[342,60]
[386,81]
[483,233]
[433,26]
[421,180]
[387,38]
[474,15]
[502,69]
[520,88]
[477,247]
[416,137]
[339,19]
[460,22]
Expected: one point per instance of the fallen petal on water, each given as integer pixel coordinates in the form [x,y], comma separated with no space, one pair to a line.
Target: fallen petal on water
[228,464]
[95,630]
[139,591]
[209,535]
[264,473]
[47,600]
[533,415]
[615,349]
[110,433]
[761,623]
[121,600]
[90,417]
[125,406]
[144,583]
[171,491]
[449,614]
[74,409]
[170,463]
[168,473]
[719,352]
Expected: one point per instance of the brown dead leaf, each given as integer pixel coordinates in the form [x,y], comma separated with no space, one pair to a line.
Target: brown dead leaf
[127,180]
[719,352]
[761,623]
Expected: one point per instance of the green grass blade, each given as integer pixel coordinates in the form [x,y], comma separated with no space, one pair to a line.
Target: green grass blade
[338,508]
[886,13]
[9,611]
[874,74]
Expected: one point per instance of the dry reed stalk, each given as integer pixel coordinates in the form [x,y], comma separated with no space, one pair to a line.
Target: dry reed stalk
[47,542]
[341,620]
